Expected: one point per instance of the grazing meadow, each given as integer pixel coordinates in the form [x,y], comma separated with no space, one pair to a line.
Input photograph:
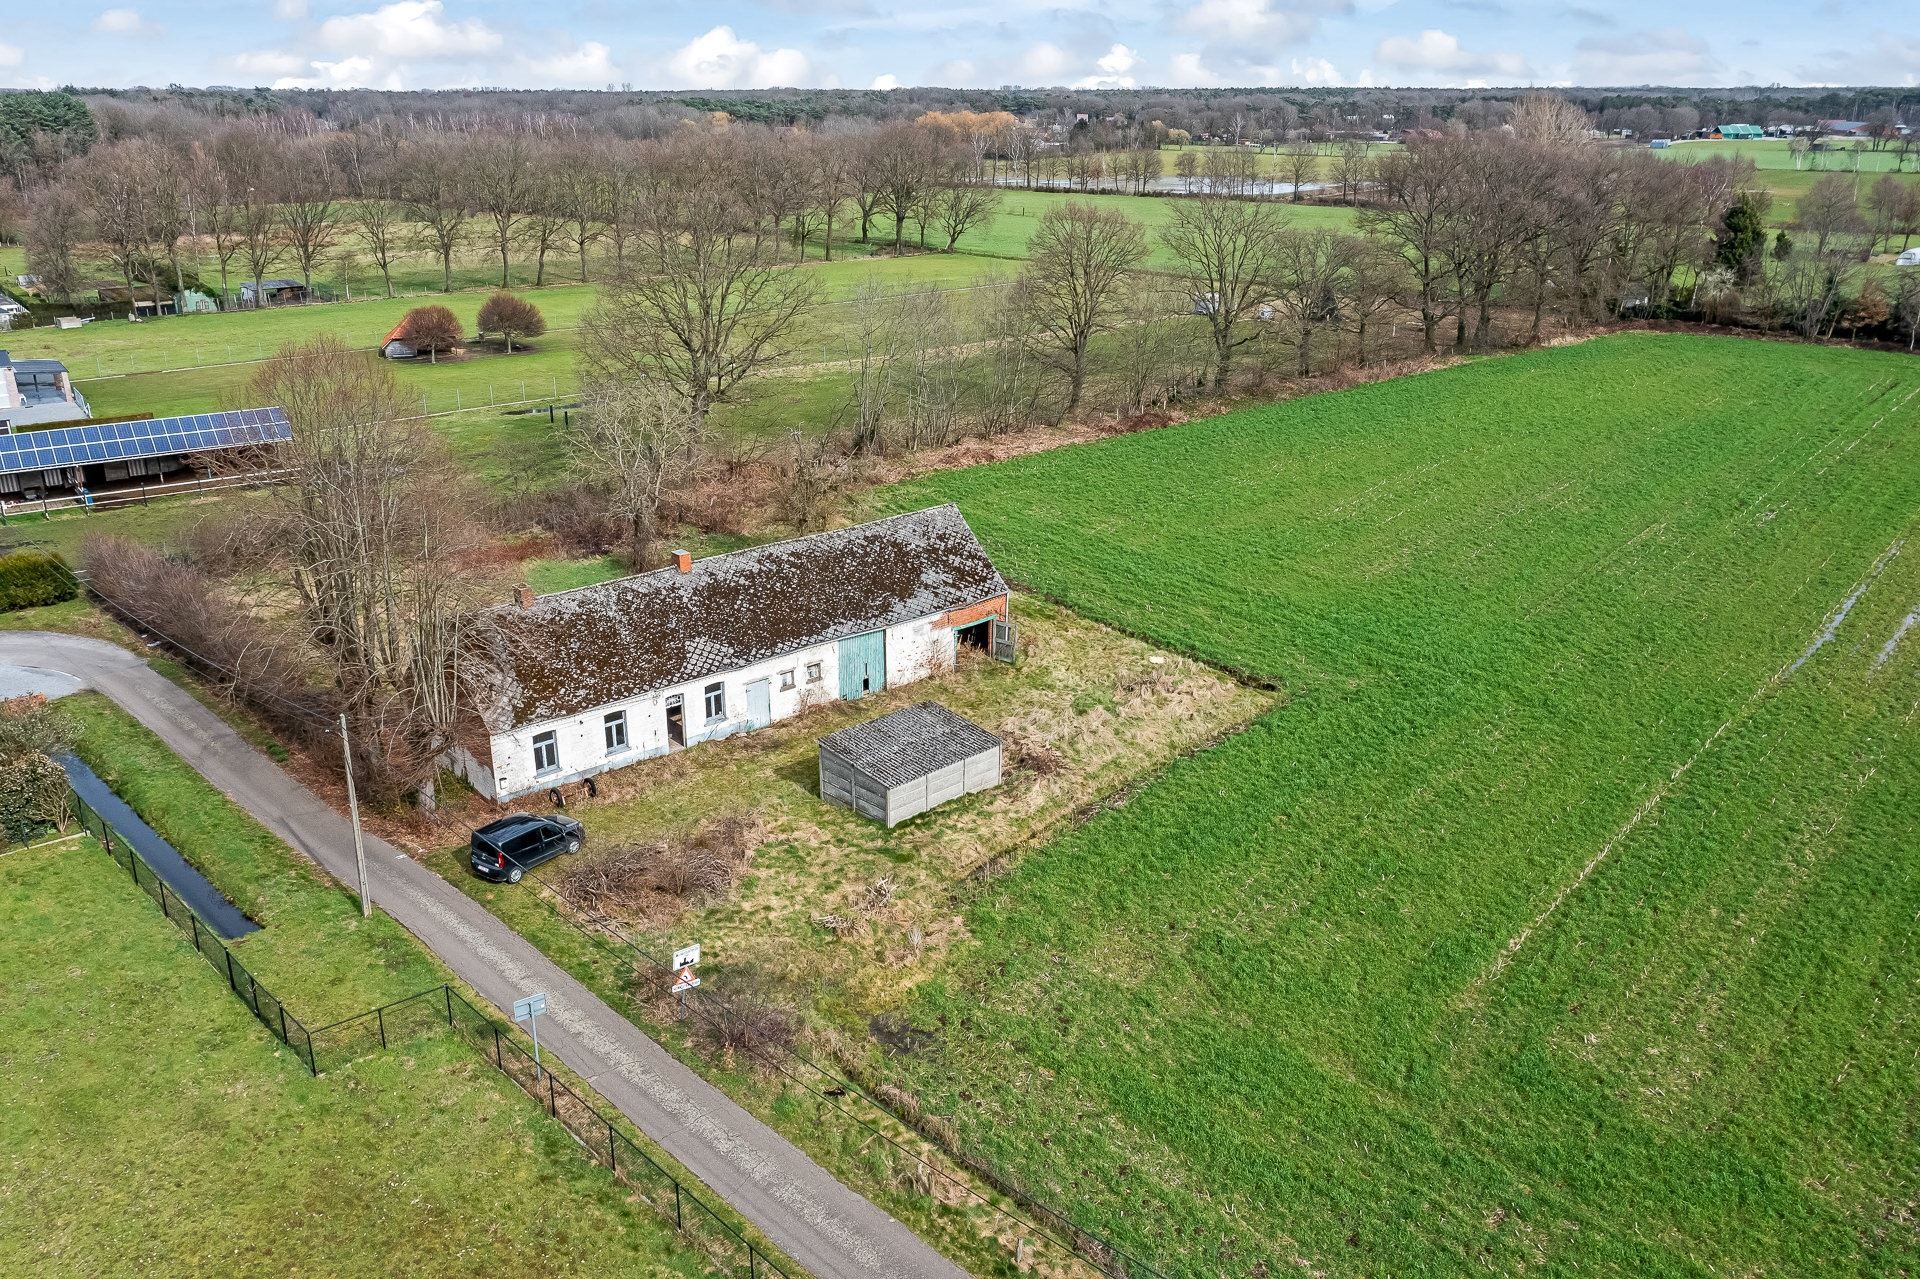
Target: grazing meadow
[1564,918]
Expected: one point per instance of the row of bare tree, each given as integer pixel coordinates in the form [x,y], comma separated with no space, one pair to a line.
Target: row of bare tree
[263,195]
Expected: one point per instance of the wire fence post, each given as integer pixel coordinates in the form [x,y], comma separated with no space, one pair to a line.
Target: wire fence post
[613,1150]
[446,988]
[380,1016]
[676,1204]
[553,1104]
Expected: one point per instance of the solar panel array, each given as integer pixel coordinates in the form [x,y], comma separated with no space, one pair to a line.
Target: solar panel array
[158,437]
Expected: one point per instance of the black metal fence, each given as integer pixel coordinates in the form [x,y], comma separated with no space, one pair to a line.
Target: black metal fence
[267,1006]
[433,1010]
[441,1008]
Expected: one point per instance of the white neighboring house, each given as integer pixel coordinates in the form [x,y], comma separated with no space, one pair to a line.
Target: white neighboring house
[583,681]
[38,393]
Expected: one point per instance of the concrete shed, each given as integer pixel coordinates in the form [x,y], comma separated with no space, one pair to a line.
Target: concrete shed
[901,765]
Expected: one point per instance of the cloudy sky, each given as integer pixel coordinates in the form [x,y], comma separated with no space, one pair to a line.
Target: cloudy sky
[417,44]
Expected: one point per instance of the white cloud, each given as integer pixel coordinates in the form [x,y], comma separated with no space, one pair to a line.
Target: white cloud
[268,63]
[888,81]
[1438,56]
[589,65]
[1314,71]
[408,30]
[11,55]
[1114,65]
[289,10]
[1044,63]
[722,60]
[1667,56]
[1228,22]
[956,72]
[119,22]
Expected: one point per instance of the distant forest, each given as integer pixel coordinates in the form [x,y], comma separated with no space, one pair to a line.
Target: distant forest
[1245,114]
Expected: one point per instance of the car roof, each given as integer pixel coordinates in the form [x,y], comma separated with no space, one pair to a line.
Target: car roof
[510,823]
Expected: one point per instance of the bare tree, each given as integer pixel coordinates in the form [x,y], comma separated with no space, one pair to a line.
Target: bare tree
[1226,253]
[1076,263]
[246,159]
[1297,161]
[1308,282]
[1415,211]
[1375,278]
[835,181]
[511,317]
[1549,120]
[438,200]
[369,164]
[579,183]
[56,227]
[637,442]
[1828,211]
[702,303]
[310,208]
[373,536]
[501,175]
[961,205]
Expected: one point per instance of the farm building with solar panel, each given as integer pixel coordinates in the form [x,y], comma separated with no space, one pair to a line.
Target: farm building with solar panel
[588,680]
[103,456]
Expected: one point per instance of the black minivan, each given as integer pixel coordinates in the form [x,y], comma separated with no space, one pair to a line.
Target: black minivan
[504,850]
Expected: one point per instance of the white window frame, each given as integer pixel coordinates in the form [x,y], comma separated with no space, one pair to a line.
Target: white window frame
[814,674]
[614,725]
[786,681]
[550,741]
[714,701]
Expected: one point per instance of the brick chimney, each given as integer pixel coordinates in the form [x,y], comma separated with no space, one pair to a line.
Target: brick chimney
[523,595]
[683,560]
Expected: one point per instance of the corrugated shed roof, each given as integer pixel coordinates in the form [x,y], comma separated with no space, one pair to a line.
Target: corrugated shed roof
[910,743]
[589,647]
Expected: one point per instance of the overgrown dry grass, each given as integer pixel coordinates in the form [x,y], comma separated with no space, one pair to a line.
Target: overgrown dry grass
[839,912]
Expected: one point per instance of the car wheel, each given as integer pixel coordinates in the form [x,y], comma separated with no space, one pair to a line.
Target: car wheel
[573,843]
[513,876]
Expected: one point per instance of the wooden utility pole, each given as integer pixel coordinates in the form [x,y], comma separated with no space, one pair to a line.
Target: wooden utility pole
[353,809]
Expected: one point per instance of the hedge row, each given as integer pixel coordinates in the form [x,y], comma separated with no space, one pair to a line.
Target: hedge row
[30,579]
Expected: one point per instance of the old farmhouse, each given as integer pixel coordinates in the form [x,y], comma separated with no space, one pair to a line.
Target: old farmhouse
[583,681]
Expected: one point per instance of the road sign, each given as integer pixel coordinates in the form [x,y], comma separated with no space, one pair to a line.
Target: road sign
[687,956]
[529,1010]
[684,980]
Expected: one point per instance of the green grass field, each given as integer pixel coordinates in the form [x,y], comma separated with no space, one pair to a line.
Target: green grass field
[1565,920]
[194,363]
[152,1126]
[1779,178]
[1020,213]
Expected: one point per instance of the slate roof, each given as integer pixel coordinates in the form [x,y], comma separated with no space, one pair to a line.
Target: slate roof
[910,743]
[578,649]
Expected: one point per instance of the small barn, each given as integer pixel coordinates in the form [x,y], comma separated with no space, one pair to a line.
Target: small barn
[901,765]
[395,346]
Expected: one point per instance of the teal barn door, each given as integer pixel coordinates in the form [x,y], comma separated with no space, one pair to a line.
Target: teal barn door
[863,664]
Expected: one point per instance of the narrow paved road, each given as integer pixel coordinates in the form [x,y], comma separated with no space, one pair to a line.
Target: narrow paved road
[833,1232]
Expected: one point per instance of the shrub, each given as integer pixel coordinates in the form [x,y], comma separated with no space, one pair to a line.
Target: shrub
[432,329]
[263,664]
[33,579]
[33,788]
[511,317]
